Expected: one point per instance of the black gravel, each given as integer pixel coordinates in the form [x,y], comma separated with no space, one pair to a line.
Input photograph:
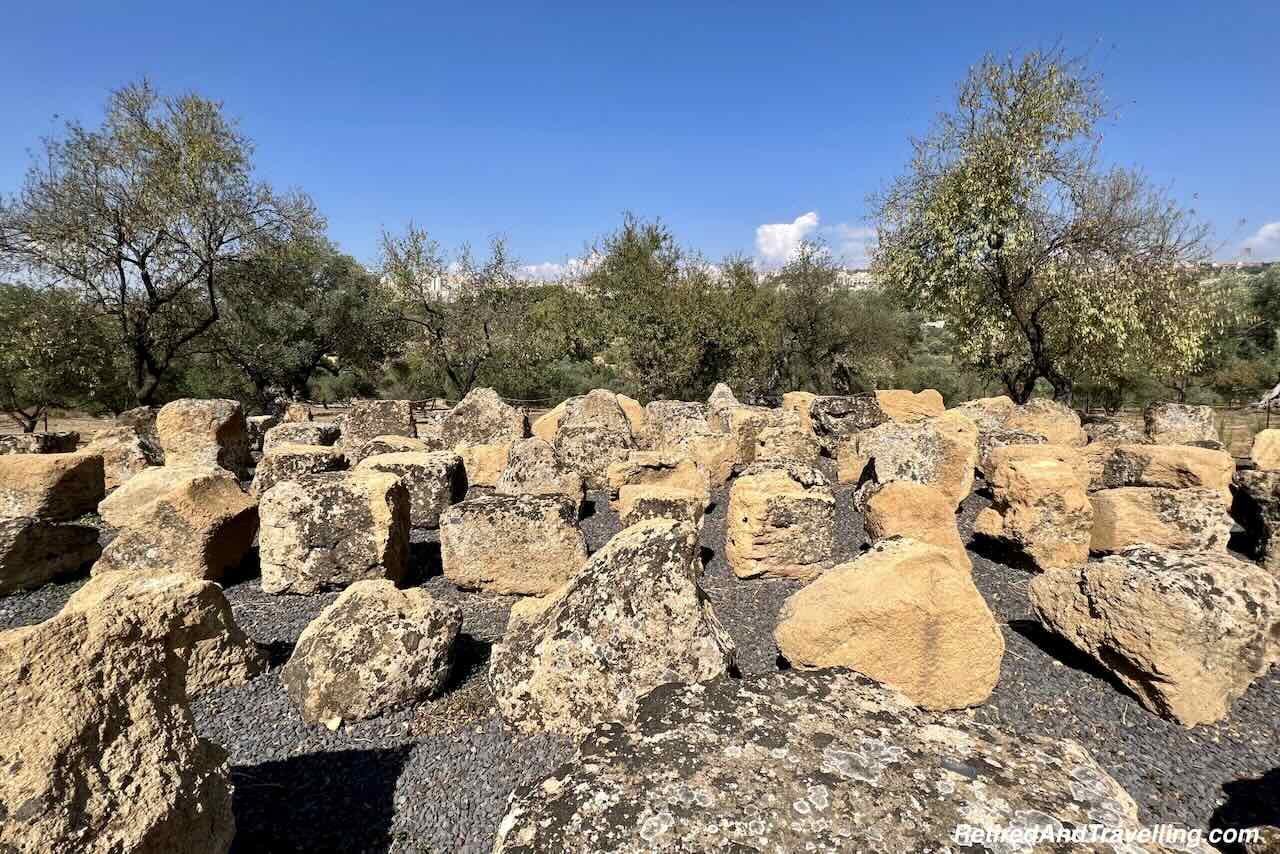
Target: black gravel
[436,777]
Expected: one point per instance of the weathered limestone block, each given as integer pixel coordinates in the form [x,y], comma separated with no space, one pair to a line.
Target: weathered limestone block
[1113,431]
[390,445]
[940,452]
[257,426]
[125,451]
[100,753]
[905,405]
[671,424]
[134,502]
[989,439]
[1189,519]
[483,418]
[527,544]
[369,419]
[796,761]
[635,415]
[532,469]
[546,425]
[290,462]
[1179,423]
[746,424]
[837,419]
[39,443]
[373,649]
[777,526]
[1187,633]
[787,443]
[34,551]
[721,398]
[1265,452]
[203,528]
[301,433]
[1257,509]
[632,619]
[903,508]
[798,402]
[57,487]
[639,502]
[195,617]
[1057,422]
[989,413]
[657,468]
[327,531]
[593,433]
[1170,466]
[434,480]
[484,464]
[205,432]
[1039,510]
[908,615]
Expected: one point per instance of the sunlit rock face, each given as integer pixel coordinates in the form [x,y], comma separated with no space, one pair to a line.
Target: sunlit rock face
[827,761]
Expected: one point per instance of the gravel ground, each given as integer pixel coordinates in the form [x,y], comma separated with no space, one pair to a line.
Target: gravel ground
[436,777]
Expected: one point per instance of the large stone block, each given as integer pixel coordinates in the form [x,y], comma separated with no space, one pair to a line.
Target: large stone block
[301,433]
[1170,466]
[368,419]
[483,418]
[778,526]
[527,544]
[908,615]
[34,552]
[1179,423]
[327,531]
[125,451]
[1257,509]
[903,508]
[632,619]
[205,432]
[100,752]
[134,501]
[593,433]
[1187,519]
[373,649]
[56,487]
[532,469]
[484,464]
[1187,633]
[290,462]
[434,480]
[941,452]
[795,761]
[1056,422]
[1039,510]
[39,443]
[1265,452]
[657,468]
[202,528]
[194,615]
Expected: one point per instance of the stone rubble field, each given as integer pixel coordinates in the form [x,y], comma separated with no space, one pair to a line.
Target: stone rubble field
[845,623]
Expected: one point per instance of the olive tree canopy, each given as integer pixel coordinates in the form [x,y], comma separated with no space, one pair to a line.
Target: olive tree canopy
[1049,266]
[145,216]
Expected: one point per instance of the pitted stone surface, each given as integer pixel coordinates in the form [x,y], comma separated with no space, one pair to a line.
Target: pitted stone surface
[532,469]
[632,619]
[202,432]
[825,762]
[434,479]
[483,418]
[300,433]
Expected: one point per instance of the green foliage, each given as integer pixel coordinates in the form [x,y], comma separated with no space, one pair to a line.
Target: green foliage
[51,354]
[144,217]
[1005,226]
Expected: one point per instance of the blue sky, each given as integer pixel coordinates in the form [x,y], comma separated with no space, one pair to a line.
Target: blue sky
[544,122]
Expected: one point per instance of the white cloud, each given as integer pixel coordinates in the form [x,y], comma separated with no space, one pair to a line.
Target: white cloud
[1264,245]
[550,271]
[777,242]
[852,243]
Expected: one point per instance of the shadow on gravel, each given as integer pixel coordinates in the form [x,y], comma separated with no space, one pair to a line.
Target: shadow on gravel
[1249,803]
[424,562]
[320,802]
[470,658]
[1001,553]
[248,569]
[1060,650]
[278,652]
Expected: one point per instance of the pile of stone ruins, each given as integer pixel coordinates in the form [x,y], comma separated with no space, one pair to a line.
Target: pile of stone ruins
[861,742]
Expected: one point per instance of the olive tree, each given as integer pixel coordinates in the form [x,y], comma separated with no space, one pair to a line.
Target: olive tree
[50,353]
[1007,227]
[145,216]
